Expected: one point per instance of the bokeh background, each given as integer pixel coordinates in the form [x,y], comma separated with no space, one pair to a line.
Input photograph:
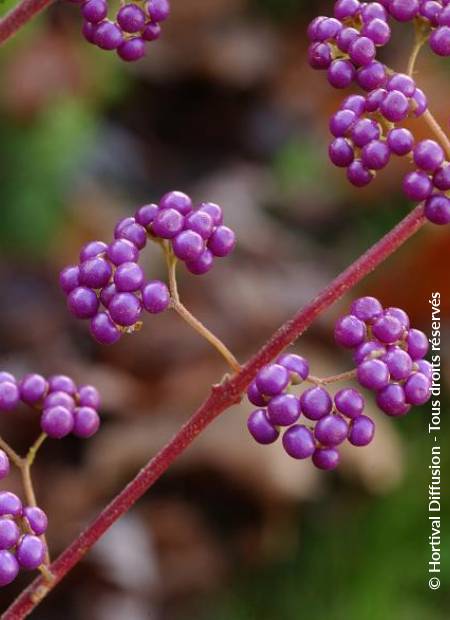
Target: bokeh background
[225,108]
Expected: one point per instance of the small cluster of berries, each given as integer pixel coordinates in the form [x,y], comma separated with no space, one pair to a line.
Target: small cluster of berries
[136,24]
[389,359]
[65,408]
[364,129]
[20,529]
[110,276]
[388,353]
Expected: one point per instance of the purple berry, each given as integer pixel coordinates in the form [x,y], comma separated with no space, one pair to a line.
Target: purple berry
[37,519]
[4,464]
[362,431]
[362,51]
[365,131]
[62,383]
[417,185]
[298,441]
[440,41]
[342,122]
[373,374]
[159,10]
[261,429]
[387,329]
[312,27]
[349,402]
[9,533]
[94,11]
[103,330]
[402,82]
[30,552]
[356,103]
[10,504]
[9,396]
[188,245]
[378,31]
[178,201]
[135,233]
[298,366]
[328,29]
[316,403]
[403,10]
[202,264]
[368,350]
[168,223]
[108,36]
[284,410]
[417,344]
[441,178]
[420,103]
[375,99]
[346,37]
[349,331]
[33,388]
[428,155]
[319,56]
[341,73]
[399,363]
[107,293]
[57,422]
[400,315]
[7,376]
[146,214]
[425,368]
[86,422]
[125,309]
[437,209]
[331,430]
[128,277]
[201,223]
[395,106]
[272,380]
[366,309]
[341,152]
[375,155]
[255,396]
[83,303]
[131,18]
[391,400]
[151,32]
[122,251]
[222,241]
[400,141]
[9,568]
[417,389]
[326,458]
[88,396]
[371,76]
[95,272]
[346,8]
[132,49]
[155,297]
[358,174]
[69,278]
[59,399]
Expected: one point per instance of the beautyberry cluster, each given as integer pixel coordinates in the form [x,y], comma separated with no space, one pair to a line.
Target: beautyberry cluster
[64,407]
[328,422]
[365,129]
[389,359]
[20,529]
[109,275]
[388,353]
[135,24]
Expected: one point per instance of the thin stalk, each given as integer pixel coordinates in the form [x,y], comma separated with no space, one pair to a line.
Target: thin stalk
[343,376]
[19,16]
[12,454]
[221,398]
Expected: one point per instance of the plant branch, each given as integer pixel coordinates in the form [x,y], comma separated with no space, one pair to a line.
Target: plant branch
[222,397]
[19,16]
[189,318]
[343,376]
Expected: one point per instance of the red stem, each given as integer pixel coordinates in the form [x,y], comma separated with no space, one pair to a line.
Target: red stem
[19,16]
[221,398]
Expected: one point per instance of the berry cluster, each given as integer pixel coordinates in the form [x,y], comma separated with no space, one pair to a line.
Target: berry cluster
[136,23]
[20,529]
[110,276]
[65,408]
[365,131]
[389,360]
[388,353]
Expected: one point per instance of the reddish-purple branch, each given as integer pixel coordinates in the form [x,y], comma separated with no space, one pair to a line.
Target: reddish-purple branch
[221,398]
[20,15]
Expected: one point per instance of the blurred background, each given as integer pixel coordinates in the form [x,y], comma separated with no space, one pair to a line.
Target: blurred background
[225,108]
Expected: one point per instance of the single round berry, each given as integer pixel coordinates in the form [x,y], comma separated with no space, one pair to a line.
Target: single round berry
[341,152]
[69,278]
[441,178]
[128,277]
[33,388]
[37,519]
[30,552]
[62,383]
[356,103]
[108,36]
[319,56]
[391,400]
[331,430]
[402,82]
[387,329]
[374,100]
[86,422]
[403,10]
[342,122]
[368,350]
[134,232]
[122,251]
[10,504]
[420,103]
[255,396]
[7,376]
[132,49]
[366,309]
[202,264]
[178,201]
[146,214]
[417,389]
[168,223]
[9,568]
[151,32]
[59,399]
[57,422]
[272,380]
[328,29]
[431,9]
[104,330]
[95,272]
[188,245]
[373,374]
[159,10]
[349,402]
[4,465]
[400,141]
[201,223]
[400,315]
[417,185]
[417,344]
[326,458]
[345,38]
[437,209]
[428,155]
[316,403]
[349,331]
[365,131]
[9,396]
[222,241]
[312,27]
[399,363]
[362,51]
[122,224]
[107,293]
[155,297]
[131,18]
[372,76]
[362,431]
[373,10]
[425,368]
[94,11]
[125,309]
[261,428]
[375,155]
[298,441]
[346,8]
[88,396]
[83,302]
[284,410]
[298,366]
[92,250]
[358,174]
[378,31]
[341,73]
[395,106]
[9,533]
[440,41]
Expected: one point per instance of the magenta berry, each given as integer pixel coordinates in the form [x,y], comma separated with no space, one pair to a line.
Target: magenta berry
[261,429]
[298,442]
